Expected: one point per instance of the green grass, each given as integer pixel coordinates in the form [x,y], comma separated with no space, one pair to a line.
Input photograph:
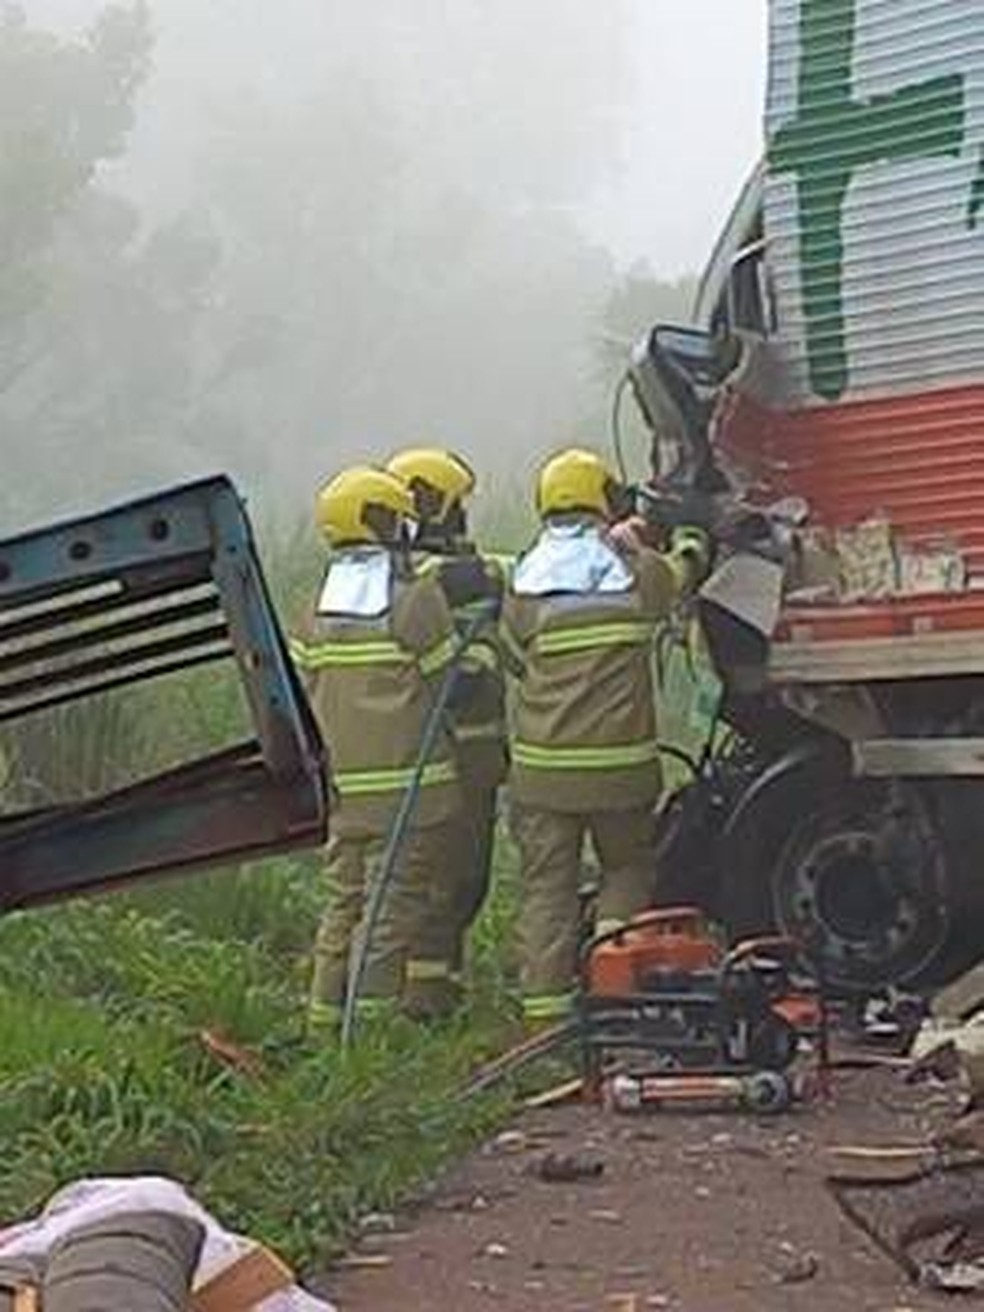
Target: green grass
[104,1005]
[103,1068]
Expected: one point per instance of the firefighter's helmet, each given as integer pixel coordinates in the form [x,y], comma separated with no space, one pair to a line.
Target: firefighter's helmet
[364,505]
[439,481]
[577,480]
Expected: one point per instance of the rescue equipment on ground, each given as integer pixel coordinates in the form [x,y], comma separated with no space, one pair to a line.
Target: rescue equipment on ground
[661,996]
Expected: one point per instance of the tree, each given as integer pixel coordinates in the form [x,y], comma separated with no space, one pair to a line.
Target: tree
[97,318]
[386,256]
[368,298]
[637,302]
[64,108]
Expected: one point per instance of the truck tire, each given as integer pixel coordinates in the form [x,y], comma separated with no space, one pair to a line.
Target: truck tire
[863,881]
[874,877]
[959,809]
[756,832]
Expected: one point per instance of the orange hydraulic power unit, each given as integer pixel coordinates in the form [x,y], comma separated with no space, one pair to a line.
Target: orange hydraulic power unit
[665,988]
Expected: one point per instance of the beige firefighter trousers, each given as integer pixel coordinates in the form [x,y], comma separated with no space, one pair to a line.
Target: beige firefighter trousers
[550,846]
[474,878]
[460,883]
[411,905]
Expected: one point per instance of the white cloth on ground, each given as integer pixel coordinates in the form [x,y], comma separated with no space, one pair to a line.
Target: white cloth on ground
[86,1202]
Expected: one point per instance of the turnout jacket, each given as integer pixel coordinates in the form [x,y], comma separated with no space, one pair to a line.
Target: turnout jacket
[579,620]
[473,588]
[379,640]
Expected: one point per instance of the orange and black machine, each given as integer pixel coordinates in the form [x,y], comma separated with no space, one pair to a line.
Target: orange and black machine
[663,995]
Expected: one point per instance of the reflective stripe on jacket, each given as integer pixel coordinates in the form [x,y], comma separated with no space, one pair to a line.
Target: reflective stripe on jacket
[583,733]
[371,682]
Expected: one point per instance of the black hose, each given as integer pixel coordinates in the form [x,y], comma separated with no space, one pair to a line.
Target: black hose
[401,821]
[616,426]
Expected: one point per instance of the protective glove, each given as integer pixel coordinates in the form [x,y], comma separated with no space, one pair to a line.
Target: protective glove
[636,531]
[695,546]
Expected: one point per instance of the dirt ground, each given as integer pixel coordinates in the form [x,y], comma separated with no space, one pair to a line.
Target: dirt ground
[691,1214]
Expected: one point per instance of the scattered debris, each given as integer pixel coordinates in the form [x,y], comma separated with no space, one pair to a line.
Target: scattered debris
[561,1168]
[967,1133]
[957,1278]
[938,1200]
[560,1093]
[748,1236]
[495,1250]
[510,1141]
[378,1223]
[232,1054]
[365,1261]
[797,1268]
[944,1049]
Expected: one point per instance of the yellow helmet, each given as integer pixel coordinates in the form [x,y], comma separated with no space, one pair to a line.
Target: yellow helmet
[439,480]
[576,480]
[363,505]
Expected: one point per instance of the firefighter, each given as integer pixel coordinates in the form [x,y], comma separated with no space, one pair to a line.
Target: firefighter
[579,619]
[441,484]
[382,636]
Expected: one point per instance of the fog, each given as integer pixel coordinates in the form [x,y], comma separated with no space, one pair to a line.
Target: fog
[275,238]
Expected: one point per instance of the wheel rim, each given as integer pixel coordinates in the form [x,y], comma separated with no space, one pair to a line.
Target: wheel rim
[865,891]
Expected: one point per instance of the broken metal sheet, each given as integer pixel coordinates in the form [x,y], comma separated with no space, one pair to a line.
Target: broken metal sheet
[966,1039]
[957,1278]
[910,1218]
[960,999]
[748,587]
[141,594]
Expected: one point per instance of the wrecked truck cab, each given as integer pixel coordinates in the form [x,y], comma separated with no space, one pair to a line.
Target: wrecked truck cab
[849,285]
